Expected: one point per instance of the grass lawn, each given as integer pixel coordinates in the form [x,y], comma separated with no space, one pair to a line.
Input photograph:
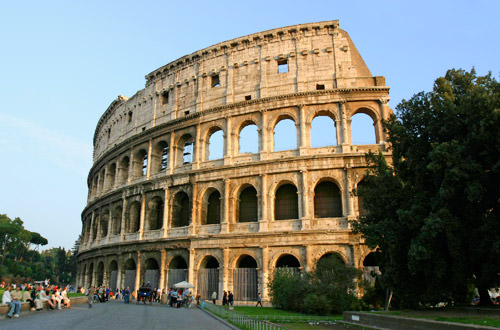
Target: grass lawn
[307,326]
[279,315]
[450,316]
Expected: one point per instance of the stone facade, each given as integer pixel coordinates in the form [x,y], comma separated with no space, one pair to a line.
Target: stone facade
[161,209]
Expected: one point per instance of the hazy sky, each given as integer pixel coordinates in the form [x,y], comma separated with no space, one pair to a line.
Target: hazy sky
[63,62]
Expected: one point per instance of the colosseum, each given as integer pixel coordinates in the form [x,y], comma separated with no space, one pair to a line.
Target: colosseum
[189,183]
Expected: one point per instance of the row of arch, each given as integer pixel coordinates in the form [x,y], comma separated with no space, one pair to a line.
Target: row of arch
[167,153]
[327,203]
[245,273]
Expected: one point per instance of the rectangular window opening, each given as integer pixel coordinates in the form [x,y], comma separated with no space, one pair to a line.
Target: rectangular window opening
[248,97]
[164,98]
[320,87]
[186,113]
[215,81]
[130,116]
[282,66]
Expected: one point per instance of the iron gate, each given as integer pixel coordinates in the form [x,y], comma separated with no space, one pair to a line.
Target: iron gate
[176,276]
[208,282]
[130,279]
[113,276]
[245,284]
[152,276]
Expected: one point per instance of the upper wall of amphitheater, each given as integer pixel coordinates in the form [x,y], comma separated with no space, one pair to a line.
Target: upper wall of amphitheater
[289,61]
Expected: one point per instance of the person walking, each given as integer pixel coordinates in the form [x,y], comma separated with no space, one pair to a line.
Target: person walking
[214,297]
[259,300]
[91,295]
[230,299]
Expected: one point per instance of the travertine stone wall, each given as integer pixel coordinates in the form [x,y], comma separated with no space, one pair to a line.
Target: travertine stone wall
[141,187]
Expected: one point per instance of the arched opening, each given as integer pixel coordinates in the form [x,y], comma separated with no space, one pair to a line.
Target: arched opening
[185,150]
[83,277]
[327,200]
[371,267]
[104,223]
[286,205]
[285,135]
[159,157]
[100,273]
[111,177]
[245,279]
[123,170]
[130,272]
[216,144]
[152,273]
[134,217]
[91,274]
[287,261]
[329,260]
[208,277]
[362,129]
[323,132]
[155,213]
[116,220]
[100,187]
[177,271]
[248,205]
[361,207]
[113,275]
[181,211]
[140,163]
[249,139]
[94,226]
[213,208]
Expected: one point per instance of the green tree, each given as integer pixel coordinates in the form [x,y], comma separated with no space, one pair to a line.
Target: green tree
[433,215]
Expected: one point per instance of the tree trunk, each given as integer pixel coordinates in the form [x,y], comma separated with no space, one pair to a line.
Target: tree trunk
[484,296]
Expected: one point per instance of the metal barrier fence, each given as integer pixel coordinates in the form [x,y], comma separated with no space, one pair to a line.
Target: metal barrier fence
[241,320]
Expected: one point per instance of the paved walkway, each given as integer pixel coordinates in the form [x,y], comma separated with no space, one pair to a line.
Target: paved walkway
[115,315]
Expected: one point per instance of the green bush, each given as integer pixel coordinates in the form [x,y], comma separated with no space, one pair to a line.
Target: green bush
[331,288]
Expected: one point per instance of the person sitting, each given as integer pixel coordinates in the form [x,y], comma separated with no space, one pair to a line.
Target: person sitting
[56,297]
[15,305]
[27,298]
[66,301]
[44,297]
[38,302]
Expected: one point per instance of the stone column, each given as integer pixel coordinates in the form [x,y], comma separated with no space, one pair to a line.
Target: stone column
[119,273]
[264,137]
[225,270]
[344,138]
[124,212]
[310,266]
[191,271]
[192,229]
[306,201]
[173,154]
[98,232]
[303,142]
[229,137]
[150,152]
[197,149]
[163,266]
[142,216]
[138,271]
[263,200]
[166,215]
[384,114]
[265,274]
[348,200]
[110,222]
[224,226]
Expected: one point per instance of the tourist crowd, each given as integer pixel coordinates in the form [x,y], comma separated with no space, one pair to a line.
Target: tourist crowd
[36,295]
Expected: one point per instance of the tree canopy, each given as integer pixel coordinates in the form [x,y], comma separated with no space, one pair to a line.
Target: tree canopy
[433,213]
[19,262]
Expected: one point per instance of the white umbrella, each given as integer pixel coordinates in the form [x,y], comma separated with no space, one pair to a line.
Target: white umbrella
[183,285]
